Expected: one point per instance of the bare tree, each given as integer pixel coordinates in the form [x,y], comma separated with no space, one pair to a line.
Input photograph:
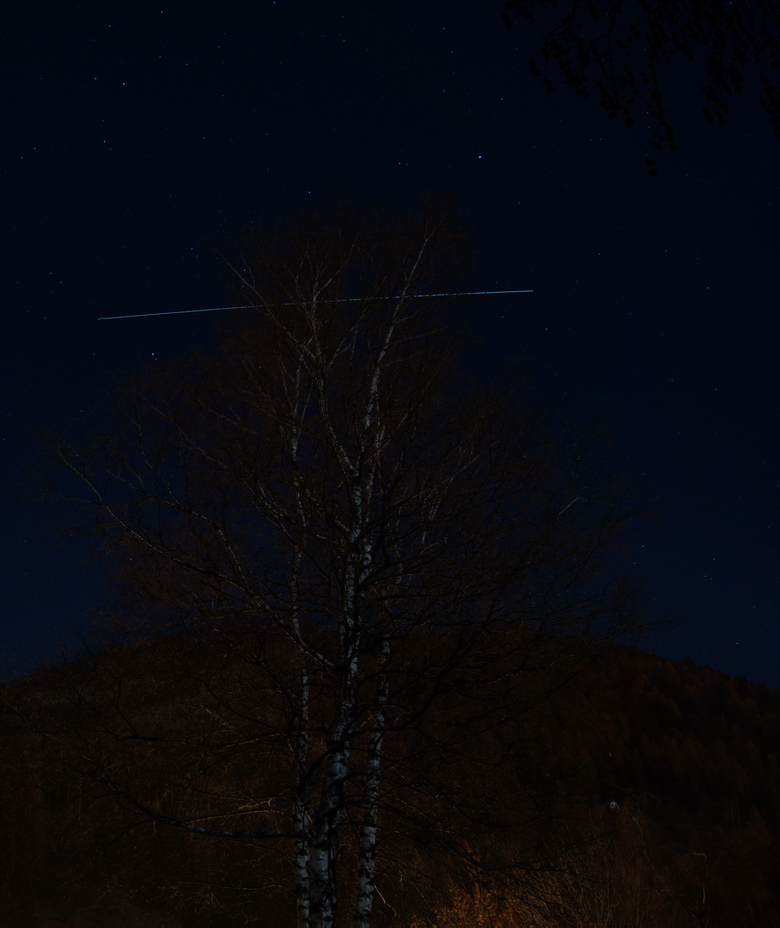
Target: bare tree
[347,555]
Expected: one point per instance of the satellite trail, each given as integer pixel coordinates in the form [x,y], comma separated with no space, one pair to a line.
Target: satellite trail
[352,299]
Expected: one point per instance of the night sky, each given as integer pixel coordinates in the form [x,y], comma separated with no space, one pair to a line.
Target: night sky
[136,137]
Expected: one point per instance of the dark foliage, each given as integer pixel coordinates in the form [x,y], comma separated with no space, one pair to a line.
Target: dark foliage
[622,51]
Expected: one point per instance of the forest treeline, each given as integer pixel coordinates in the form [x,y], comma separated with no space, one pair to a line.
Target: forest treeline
[650,788]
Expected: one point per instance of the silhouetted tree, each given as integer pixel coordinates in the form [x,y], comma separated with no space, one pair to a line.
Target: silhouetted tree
[620,50]
[353,561]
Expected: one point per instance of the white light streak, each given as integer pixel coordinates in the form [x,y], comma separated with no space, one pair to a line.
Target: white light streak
[353,299]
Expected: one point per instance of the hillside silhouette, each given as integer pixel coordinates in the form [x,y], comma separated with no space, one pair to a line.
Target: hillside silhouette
[651,788]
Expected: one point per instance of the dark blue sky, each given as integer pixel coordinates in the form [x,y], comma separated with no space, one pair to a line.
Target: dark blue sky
[135,135]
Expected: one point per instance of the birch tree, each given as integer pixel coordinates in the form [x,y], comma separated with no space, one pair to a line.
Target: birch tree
[337,542]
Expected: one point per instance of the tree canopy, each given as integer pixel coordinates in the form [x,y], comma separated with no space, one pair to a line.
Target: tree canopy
[621,52]
[359,565]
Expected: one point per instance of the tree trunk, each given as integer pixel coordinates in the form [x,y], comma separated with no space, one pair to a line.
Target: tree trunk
[367,868]
[323,846]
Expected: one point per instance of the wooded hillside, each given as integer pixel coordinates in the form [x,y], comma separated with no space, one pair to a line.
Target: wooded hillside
[645,792]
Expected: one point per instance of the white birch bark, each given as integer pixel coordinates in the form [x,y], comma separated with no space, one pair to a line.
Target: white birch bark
[323,846]
[367,862]
[301,813]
